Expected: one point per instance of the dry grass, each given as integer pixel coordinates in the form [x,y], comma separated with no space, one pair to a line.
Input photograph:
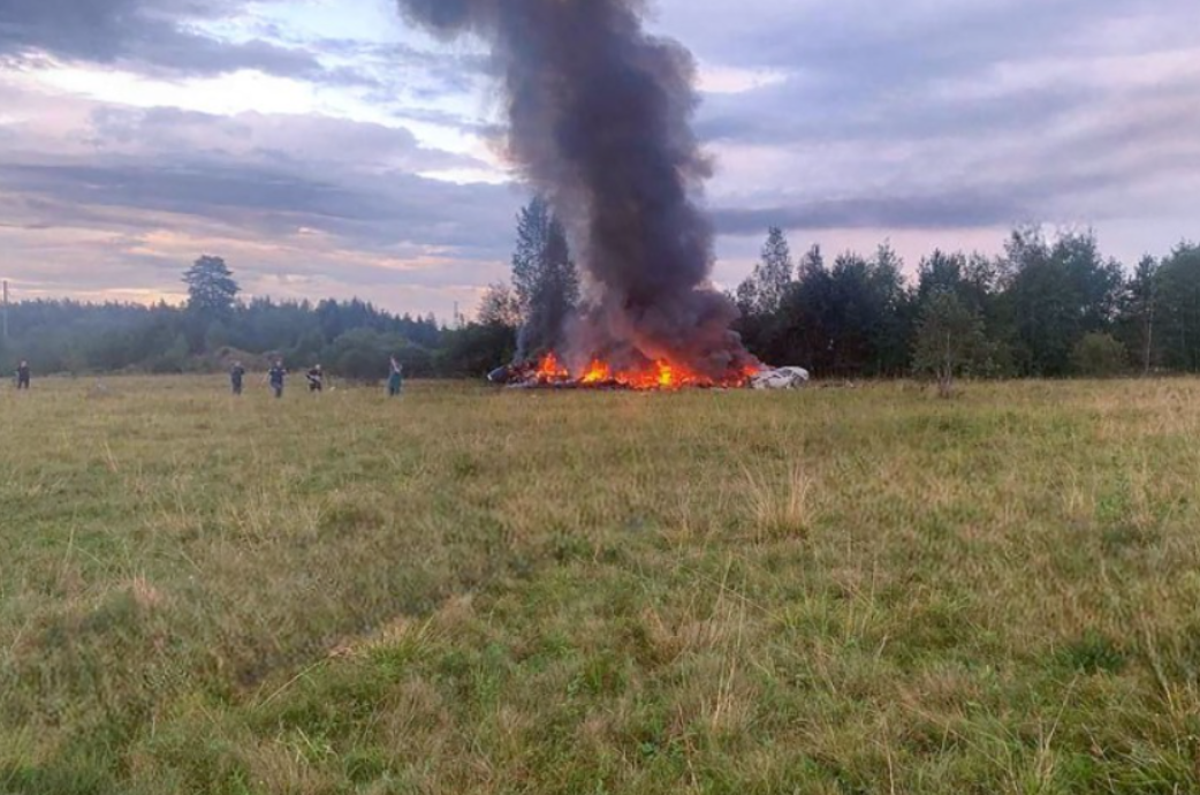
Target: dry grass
[465,591]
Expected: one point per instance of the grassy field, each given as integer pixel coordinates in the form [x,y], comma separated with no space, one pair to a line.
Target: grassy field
[468,591]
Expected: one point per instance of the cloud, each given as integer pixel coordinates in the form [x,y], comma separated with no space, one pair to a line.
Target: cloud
[304,141]
[96,196]
[901,212]
[881,44]
[163,36]
[390,210]
[1085,167]
[262,170]
[939,115]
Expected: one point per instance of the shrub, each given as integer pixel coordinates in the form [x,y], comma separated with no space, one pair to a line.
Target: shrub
[1098,356]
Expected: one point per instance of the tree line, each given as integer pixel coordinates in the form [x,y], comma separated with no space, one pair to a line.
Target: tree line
[351,339]
[1048,306]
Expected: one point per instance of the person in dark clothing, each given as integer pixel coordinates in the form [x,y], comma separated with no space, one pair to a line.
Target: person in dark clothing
[276,376]
[23,375]
[316,379]
[395,378]
[237,374]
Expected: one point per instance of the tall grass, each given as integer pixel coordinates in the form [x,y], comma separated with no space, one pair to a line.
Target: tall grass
[467,591]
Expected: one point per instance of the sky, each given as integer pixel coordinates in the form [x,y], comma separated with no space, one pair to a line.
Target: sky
[324,150]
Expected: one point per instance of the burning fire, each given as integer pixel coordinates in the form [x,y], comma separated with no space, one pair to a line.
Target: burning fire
[597,373]
[660,374]
[549,369]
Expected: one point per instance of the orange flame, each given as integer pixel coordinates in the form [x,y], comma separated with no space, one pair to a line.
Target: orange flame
[666,374]
[661,374]
[550,370]
[597,373]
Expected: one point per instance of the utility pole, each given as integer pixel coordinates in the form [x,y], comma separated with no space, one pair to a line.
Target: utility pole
[6,310]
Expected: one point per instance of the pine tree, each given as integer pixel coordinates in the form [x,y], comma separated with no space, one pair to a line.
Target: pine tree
[212,291]
[544,277]
[763,292]
[1178,315]
[774,272]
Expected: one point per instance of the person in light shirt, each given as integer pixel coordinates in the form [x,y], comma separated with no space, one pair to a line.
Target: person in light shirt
[395,378]
[316,378]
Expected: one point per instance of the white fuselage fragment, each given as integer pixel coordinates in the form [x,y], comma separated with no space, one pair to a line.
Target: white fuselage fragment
[780,378]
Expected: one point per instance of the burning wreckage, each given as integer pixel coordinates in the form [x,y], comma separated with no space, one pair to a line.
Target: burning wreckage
[599,123]
[550,373]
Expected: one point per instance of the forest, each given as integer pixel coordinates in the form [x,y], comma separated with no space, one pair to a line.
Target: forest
[1049,305]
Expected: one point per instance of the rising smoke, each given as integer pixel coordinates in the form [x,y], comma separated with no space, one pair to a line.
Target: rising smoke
[599,123]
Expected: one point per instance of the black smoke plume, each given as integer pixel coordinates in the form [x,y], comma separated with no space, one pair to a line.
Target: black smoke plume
[599,122]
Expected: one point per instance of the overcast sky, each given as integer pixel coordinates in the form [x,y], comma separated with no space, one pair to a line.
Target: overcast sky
[325,150]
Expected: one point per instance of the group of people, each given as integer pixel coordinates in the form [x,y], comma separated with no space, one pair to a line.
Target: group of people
[315,376]
[275,377]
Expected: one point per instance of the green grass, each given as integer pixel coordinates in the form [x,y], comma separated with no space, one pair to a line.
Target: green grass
[468,591]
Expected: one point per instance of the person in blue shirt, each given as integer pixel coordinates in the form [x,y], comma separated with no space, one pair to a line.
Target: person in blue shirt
[276,376]
[23,375]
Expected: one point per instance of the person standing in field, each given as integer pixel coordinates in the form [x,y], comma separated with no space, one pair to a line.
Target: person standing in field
[276,376]
[23,375]
[237,374]
[395,378]
[316,379]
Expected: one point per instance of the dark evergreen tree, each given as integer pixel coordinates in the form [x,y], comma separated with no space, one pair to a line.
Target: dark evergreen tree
[1057,294]
[806,336]
[849,320]
[544,277]
[1179,308]
[212,292]
[893,326]
[764,290]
